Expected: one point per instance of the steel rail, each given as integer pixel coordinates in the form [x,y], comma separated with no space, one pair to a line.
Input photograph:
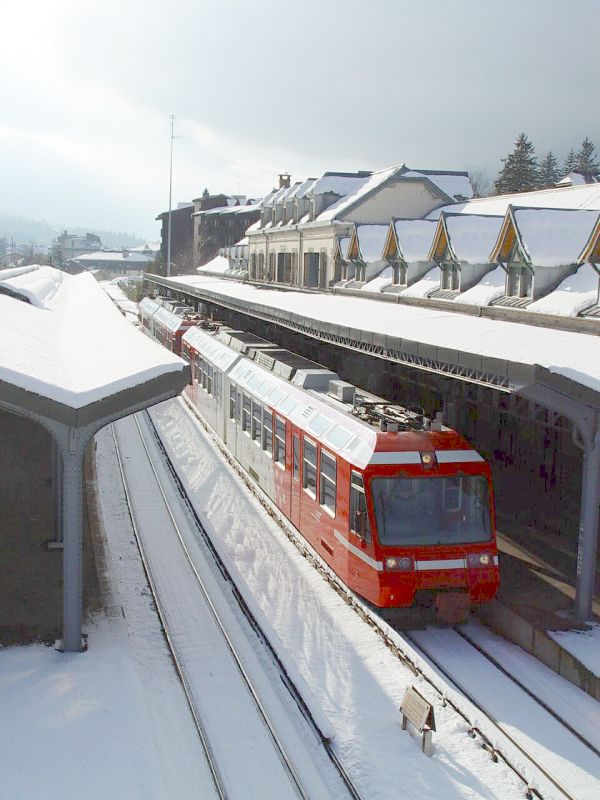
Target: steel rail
[210,757]
[527,691]
[287,680]
[370,616]
[279,747]
[494,751]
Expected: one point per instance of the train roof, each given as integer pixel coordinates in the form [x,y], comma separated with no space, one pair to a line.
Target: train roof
[350,428]
[170,320]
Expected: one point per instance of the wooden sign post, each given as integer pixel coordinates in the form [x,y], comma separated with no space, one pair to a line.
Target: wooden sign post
[419,712]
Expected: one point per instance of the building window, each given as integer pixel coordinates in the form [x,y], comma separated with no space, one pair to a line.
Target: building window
[327,482]
[359,518]
[267,443]
[309,468]
[280,441]
[450,276]
[399,273]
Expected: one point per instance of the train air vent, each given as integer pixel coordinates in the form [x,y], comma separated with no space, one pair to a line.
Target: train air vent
[263,360]
[342,391]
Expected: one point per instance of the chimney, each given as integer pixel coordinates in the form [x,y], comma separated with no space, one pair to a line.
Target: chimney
[284,180]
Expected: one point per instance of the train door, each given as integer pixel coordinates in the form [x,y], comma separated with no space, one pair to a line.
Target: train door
[296,484]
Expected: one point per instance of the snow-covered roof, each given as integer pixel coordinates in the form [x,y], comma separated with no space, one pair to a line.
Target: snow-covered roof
[414,237]
[217,264]
[571,354]
[456,185]
[127,257]
[301,189]
[152,247]
[472,237]
[553,237]
[70,343]
[489,288]
[573,295]
[340,183]
[371,239]
[360,189]
[586,196]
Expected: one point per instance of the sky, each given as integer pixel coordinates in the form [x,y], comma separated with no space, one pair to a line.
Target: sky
[260,87]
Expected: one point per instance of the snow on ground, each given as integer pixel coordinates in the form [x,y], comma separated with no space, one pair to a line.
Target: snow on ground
[574,355]
[574,294]
[97,724]
[379,283]
[489,288]
[584,645]
[350,672]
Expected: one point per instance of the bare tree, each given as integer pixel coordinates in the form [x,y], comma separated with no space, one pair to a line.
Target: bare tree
[481,183]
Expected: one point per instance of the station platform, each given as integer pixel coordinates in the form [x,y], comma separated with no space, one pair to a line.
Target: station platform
[537,595]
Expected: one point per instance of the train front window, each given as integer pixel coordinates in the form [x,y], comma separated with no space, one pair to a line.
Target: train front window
[418,511]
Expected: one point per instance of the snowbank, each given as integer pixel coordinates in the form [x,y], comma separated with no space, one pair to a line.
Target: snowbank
[490,288]
[423,288]
[379,283]
[576,293]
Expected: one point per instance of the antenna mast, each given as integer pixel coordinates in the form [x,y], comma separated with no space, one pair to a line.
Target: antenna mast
[172,123]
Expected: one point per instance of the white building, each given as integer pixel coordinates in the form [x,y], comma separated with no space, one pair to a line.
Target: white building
[295,242]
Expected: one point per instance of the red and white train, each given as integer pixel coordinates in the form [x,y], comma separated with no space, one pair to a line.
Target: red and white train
[399,507]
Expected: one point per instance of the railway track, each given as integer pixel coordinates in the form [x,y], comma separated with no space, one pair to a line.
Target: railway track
[490,731]
[223,791]
[505,737]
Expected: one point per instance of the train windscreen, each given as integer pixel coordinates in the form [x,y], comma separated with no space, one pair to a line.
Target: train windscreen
[432,510]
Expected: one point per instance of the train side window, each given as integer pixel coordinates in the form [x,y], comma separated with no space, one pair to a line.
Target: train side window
[232,401]
[280,442]
[256,422]
[359,518]
[296,455]
[246,413]
[267,443]
[209,378]
[309,467]
[327,482]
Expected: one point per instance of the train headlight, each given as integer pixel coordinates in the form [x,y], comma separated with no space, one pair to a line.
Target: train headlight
[428,460]
[479,560]
[399,563]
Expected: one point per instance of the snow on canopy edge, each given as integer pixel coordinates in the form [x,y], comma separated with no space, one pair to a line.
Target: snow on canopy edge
[78,349]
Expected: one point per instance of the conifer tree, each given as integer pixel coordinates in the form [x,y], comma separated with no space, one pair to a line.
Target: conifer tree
[520,171]
[548,170]
[570,162]
[586,160]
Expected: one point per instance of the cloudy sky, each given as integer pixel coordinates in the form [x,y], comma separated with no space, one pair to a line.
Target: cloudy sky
[264,86]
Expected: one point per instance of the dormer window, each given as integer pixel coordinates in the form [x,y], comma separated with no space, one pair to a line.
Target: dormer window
[450,272]
[519,280]
[398,272]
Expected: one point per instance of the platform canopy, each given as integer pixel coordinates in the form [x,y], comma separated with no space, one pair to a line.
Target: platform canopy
[70,361]
[558,369]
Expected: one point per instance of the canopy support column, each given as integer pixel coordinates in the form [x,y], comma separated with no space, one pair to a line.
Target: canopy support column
[585,419]
[588,528]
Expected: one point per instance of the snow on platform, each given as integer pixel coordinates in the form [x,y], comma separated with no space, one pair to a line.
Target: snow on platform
[63,338]
[583,645]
